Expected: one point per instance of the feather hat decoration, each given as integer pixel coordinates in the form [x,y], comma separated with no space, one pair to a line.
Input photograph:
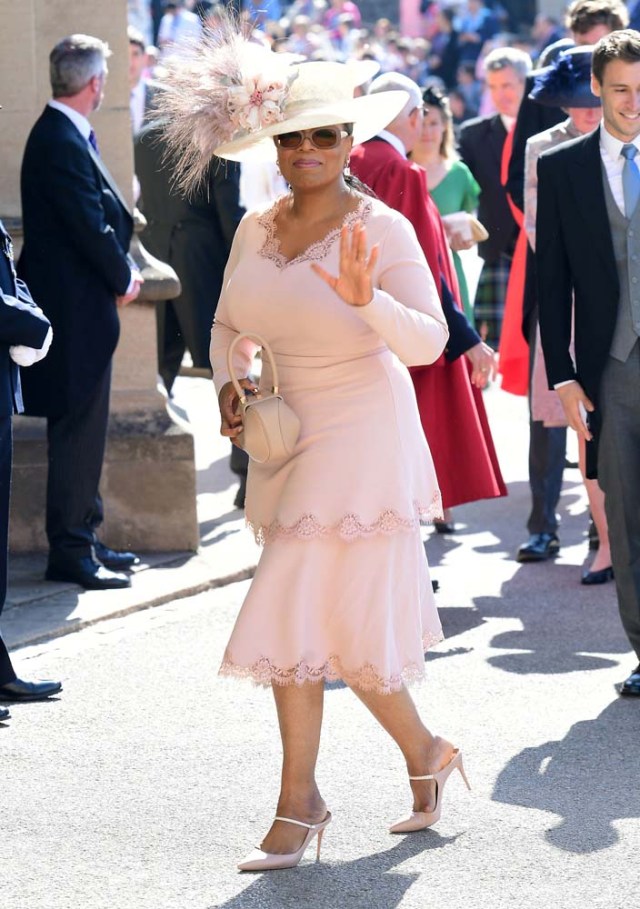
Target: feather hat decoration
[224,87]
[230,96]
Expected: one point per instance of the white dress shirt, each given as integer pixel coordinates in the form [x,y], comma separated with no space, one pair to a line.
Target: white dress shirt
[392,139]
[610,152]
[137,102]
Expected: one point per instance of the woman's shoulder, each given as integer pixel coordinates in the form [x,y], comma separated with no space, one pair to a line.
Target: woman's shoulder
[460,171]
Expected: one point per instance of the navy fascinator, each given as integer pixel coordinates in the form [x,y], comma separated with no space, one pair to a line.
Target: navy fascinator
[567,82]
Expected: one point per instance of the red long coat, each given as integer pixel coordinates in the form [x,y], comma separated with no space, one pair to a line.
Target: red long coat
[452,411]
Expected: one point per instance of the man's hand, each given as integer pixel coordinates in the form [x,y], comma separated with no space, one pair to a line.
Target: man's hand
[572,396]
[133,290]
[484,364]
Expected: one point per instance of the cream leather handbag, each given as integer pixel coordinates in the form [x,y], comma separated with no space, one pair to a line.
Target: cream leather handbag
[270,428]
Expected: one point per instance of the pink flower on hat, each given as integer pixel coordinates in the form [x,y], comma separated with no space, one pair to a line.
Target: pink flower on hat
[257,102]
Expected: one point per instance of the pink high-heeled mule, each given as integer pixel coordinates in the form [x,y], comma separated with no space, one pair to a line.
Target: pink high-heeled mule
[420,820]
[259,860]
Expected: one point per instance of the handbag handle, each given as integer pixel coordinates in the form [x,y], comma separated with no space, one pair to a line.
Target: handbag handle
[266,347]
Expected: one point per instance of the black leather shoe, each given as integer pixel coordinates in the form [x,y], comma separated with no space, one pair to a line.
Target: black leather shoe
[540,546]
[631,686]
[88,573]
[28,691]
[4,714]
[597,577]
[444,526]
[115,560]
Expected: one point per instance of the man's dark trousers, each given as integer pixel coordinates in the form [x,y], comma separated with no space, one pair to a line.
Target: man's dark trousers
[7,673]
[77,442]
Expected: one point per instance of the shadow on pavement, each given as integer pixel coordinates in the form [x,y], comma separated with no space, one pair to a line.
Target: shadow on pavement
[362,883]
[587,779]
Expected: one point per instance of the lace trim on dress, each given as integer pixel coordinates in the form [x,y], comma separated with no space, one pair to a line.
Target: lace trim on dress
[270,249]
[349,527]
[367,678]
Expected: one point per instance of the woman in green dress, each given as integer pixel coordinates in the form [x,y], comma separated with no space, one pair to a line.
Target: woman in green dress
[450,182]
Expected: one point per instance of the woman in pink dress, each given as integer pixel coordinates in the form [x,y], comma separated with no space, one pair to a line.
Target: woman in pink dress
[337,284]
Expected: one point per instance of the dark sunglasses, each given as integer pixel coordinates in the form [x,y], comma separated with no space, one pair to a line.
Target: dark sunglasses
[322,137]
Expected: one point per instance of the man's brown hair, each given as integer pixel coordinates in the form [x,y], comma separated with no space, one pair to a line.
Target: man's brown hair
[583,15]
[622,45]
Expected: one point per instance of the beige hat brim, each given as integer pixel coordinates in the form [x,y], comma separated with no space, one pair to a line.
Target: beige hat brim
[368,113]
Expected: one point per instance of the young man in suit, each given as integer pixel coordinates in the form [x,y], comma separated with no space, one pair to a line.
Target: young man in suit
[481,144]
[587,21]
[77,229]
[25,336]
[588,260]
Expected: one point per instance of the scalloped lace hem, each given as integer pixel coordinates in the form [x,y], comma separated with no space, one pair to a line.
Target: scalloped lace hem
[316,251]
[350,526]
[367,678]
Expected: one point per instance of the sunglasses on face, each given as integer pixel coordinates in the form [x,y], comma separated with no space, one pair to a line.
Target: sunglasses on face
[323,137]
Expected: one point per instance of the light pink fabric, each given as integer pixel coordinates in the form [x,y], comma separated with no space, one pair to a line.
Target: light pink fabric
[342,589]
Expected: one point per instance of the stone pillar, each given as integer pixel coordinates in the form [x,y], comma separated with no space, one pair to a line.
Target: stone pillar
[149,473]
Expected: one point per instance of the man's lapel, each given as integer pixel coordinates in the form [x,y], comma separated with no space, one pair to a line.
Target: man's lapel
[97,160]
[591,207]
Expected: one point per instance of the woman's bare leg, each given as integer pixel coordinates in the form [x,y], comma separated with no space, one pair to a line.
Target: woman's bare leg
[596,504]
[299,709]
[423,751]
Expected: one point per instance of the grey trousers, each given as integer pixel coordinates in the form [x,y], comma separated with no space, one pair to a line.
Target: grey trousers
[619,477]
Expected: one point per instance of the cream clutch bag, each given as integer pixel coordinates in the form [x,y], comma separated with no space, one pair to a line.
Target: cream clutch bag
[467,225]
[270,428]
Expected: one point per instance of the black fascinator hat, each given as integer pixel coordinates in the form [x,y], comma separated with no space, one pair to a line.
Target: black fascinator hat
[567,82]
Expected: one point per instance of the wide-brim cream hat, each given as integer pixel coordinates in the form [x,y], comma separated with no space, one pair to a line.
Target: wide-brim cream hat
[321,94]
[229,97]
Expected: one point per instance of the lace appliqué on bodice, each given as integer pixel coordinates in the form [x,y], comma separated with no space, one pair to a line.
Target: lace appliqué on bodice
[270,249]
[350,526]
[367,678]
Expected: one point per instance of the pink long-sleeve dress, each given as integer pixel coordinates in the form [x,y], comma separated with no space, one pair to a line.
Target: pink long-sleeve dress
[342,589]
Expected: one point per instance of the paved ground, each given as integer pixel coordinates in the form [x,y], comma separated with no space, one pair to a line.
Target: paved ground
[149,778]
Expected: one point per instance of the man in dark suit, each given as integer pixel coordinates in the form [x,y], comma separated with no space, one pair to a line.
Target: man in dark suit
[141,90]
[25,336]
[588,255]
[587,22]
[192,234]
[481,144]
[77,230]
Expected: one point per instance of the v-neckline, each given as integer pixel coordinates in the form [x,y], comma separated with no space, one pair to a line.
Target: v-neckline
[317,250]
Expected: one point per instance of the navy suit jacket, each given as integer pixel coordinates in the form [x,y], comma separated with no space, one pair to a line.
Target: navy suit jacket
[77,230]
[481,144]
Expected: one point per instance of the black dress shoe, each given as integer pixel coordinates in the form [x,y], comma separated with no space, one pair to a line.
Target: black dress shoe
[115,560]
[28,691]
[598,577]
[540,546]
[631,686]
[4,714]
[88,573]
[444,526]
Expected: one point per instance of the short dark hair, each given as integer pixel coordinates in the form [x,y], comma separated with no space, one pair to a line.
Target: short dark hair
[621,45]
[583,15]
[136,38]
